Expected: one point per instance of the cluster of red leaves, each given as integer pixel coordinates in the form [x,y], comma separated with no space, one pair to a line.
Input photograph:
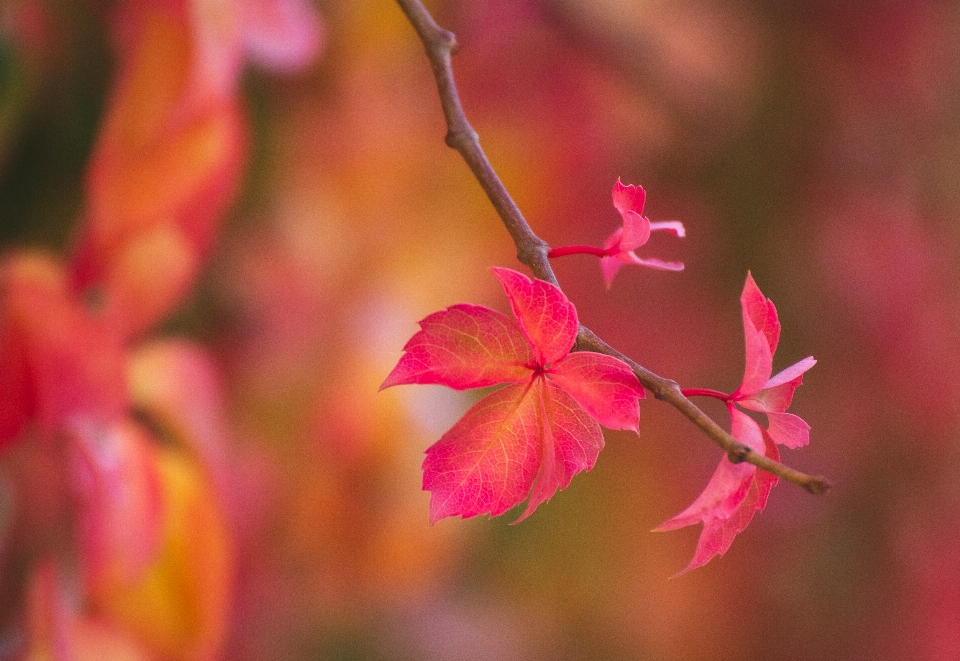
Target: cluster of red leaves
[528,439]
[143,517]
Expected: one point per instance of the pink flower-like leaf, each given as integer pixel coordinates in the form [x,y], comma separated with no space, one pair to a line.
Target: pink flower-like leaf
[737,491]
[528,439]
[635,232]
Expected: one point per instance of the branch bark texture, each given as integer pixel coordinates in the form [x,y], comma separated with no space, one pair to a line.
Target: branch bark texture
[532,251]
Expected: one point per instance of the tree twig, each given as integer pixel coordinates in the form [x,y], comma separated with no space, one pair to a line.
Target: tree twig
[532,251]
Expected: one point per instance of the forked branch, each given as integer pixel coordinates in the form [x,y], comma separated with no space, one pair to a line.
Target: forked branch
[532,251]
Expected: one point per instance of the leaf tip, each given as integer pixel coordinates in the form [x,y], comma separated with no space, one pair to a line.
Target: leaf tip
[391,380]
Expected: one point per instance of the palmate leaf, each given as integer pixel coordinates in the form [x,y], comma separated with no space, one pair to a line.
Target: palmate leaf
[529,438]
[545,315]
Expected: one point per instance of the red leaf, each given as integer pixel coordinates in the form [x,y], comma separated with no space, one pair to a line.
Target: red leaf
[464,346]
[523,440]
[571,442]
[732,496]
[546,317]
[604,386]
[64,365]
[529,438]
[166,163]
[487,461]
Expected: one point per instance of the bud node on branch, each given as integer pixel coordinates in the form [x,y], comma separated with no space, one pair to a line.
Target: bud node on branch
[739,454]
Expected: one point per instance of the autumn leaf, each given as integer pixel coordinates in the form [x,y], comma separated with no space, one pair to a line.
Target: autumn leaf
[737,491]
[629,200]
[529,438]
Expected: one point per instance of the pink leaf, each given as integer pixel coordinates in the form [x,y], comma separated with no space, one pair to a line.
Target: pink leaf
[760,312]
[571,441]
[523,440]
[777,393]
[718,535]
[788,429]
[736,492]
[651,262]
[464,346]
[673,226]
[634,233]
[528,439]
[604,386]
[609,266]
[636,230]
[612,263]
[791,374]
[628,198]
[719,499]
[546,317]
[487,462]
[730,499]
[759,363]
[761,331]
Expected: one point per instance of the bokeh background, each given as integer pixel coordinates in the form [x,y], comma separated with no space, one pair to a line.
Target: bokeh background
[814,143]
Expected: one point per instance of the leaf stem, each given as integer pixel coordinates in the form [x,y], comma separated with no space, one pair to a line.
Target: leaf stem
[533,251]
[705,392]
[563,251]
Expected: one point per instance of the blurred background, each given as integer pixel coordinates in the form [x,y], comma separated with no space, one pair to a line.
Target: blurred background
[814,143]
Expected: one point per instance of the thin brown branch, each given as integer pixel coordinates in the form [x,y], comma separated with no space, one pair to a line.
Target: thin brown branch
[532,251]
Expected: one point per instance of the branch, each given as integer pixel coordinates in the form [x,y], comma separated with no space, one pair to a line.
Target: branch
[532,251]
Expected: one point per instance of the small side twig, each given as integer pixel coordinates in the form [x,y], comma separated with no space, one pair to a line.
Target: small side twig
[532,251]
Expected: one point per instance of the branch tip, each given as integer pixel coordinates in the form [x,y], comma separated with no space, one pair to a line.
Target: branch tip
[818,485]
